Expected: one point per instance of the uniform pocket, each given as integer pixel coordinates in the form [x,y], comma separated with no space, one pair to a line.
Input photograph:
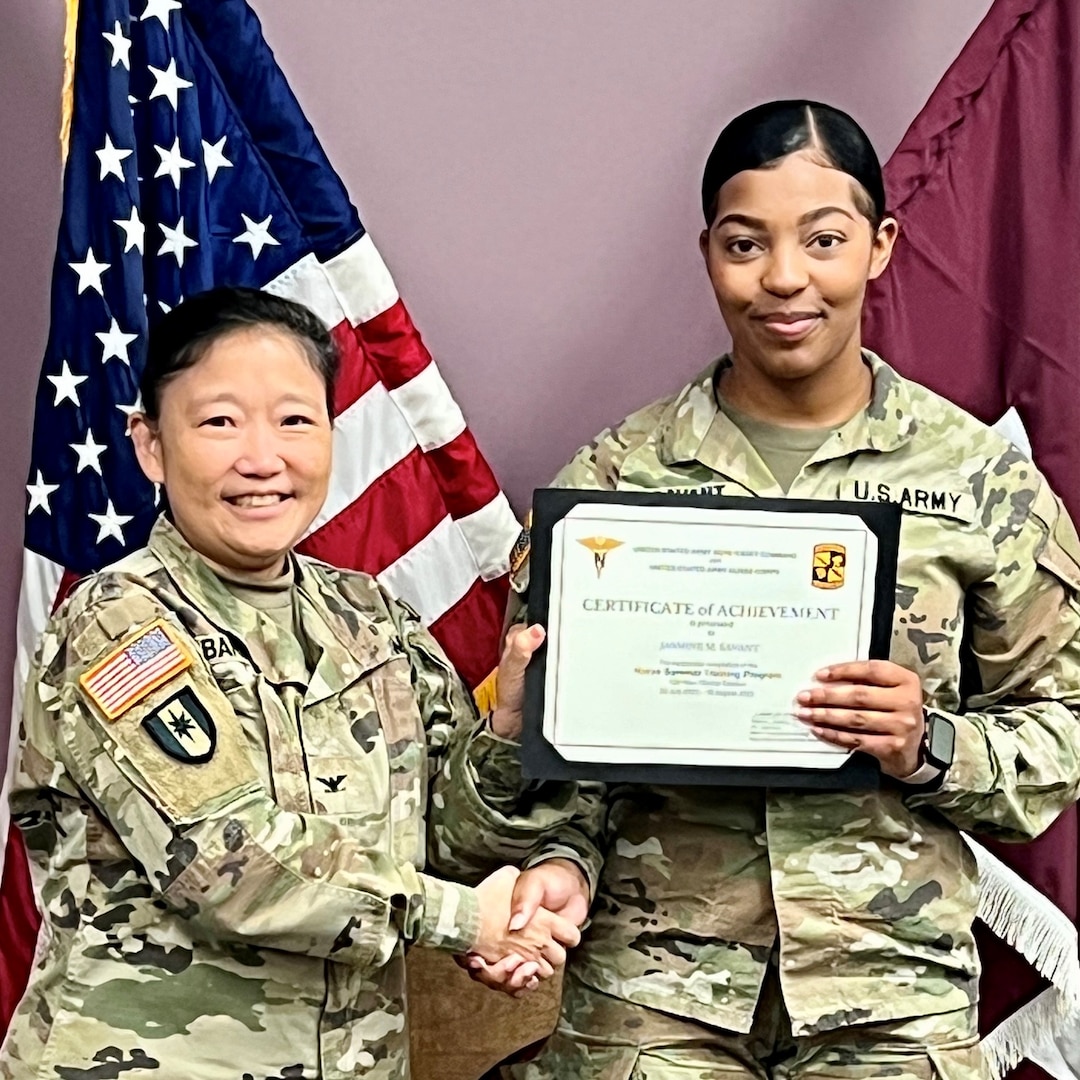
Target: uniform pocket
[959,1063]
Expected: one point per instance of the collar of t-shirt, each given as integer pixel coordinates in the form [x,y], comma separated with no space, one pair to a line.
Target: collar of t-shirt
[785,450]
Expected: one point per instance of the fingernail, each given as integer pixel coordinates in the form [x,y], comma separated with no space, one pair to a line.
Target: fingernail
[822,674]
[803,697]
[517,920]
[803,713]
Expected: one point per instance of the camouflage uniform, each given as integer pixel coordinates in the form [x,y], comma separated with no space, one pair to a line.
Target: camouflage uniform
[870,896]
[230,866]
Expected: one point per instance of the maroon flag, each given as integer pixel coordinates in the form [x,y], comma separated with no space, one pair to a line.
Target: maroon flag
[982,304]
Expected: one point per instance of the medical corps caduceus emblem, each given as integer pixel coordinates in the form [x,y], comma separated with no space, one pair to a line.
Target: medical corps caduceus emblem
[829,563]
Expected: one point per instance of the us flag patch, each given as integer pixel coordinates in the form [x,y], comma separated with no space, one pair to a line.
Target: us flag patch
[139,665]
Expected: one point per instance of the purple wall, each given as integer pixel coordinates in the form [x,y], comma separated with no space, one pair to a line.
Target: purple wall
[529,172]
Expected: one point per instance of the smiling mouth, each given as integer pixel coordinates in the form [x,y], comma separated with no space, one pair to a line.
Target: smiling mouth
[245,502]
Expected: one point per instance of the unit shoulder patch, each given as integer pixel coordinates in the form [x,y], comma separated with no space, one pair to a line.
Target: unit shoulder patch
[140,664]
[182,727]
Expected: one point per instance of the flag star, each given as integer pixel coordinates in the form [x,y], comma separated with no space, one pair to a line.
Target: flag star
[111,159]
[121,45]
[161,303]
[89,453]
[214,158]
[133,230]
[172,162]
[167,83]
[110,523]
[257,234]
[176,243]
[67,385]
[90,272]
[39,493]
[159,9]
[114,342]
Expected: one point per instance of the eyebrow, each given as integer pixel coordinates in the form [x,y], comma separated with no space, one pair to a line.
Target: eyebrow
[807,219]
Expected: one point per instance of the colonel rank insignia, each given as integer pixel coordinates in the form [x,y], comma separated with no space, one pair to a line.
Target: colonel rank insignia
[829,563]
[182,728]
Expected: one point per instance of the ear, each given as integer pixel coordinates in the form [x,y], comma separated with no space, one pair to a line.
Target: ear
[703,246]
[882,246]
[147,441]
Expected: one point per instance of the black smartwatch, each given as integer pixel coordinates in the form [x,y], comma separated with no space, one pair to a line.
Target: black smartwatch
[936,752]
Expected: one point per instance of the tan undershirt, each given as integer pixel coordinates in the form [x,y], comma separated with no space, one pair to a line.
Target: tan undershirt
[276,599]
[785,450]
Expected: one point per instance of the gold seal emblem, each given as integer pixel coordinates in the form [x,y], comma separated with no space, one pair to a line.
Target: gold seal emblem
[600,546]
[829,563]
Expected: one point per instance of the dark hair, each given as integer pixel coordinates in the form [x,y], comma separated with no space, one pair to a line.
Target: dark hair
[764,135]
[185,334]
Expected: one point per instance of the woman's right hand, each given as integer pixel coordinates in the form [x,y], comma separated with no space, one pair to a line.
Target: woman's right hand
[545,937]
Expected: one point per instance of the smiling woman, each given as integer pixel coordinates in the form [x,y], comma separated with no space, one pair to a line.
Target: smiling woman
[234,759]
[811,934]
[237,425]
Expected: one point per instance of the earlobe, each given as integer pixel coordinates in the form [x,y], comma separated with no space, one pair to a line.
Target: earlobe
[703,245]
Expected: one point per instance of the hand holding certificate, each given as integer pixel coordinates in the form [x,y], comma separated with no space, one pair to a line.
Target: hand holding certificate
[681,629]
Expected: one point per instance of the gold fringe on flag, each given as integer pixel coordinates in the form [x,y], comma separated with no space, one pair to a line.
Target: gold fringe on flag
[67,94]
[486,694]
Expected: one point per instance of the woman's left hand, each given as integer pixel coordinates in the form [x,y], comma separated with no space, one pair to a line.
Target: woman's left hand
[521,643]
[872,705]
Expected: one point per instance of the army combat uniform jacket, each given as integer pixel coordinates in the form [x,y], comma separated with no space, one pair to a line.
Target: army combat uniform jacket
[871,895]
[230,851]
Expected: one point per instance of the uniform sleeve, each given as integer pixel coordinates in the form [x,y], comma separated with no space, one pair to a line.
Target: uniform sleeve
[171,774]
[573,822]
[1016,763]
[481,816]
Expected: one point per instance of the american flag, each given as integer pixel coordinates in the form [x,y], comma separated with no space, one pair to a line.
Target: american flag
[192,165]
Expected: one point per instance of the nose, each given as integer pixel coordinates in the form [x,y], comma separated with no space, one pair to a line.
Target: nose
[785,272]
[260,451]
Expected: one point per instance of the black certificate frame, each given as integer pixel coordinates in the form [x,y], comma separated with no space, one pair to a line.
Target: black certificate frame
[541,761]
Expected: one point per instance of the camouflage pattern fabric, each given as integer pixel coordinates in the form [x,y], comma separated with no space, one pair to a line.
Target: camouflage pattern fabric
[605,1038]
[871,895]
[231,865]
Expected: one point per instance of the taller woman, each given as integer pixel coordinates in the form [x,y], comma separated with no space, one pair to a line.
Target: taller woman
[773,933]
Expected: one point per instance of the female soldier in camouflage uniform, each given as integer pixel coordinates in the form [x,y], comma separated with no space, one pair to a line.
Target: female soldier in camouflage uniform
[235,759]
[802,934]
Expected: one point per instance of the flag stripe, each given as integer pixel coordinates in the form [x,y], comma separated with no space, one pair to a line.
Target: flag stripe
[483,605]
[465,481]
[431,412]
[394,346]
[356,376]
[370,437]
[394,513]
[433,575]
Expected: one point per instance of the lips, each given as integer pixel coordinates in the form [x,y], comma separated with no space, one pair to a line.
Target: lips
[790,325]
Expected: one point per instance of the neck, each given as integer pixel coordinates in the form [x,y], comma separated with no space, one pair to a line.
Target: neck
[827,398]
[250,575]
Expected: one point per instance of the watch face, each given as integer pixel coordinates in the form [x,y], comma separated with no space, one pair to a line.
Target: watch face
[941,742]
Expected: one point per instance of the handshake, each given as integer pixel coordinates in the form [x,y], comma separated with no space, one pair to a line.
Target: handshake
[527,922]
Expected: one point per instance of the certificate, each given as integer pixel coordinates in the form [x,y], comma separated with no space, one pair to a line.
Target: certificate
[680,629]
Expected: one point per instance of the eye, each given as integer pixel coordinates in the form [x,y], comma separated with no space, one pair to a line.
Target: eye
[742,245]
[828,241]
[297,420]
[217,421]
